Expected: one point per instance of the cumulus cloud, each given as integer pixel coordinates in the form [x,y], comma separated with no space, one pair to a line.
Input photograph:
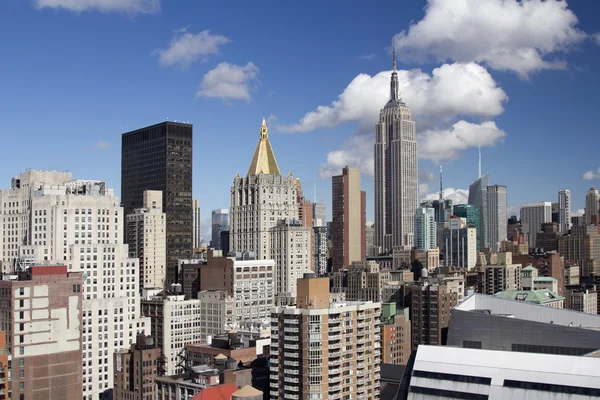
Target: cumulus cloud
[186,48]
[578,213]
[100,145]
[229,82]
[458,196]
[451,90]
[356,151]
[591,175]
[368,57]
[126,6]
[445,144]
[596,38]
[517,36]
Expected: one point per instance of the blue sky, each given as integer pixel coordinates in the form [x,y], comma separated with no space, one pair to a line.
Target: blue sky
[519,80]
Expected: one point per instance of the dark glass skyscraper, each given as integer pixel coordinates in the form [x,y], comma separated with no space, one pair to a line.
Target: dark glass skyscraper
[159,157]
[478,198]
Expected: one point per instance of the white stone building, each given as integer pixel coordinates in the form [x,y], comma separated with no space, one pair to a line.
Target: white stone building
[533,215]
[147,238]
[291,250]
[217,313]
[564,210]
[425,228]
[80,223]
[592,205]
[496,216]
[259,200]
[175,322]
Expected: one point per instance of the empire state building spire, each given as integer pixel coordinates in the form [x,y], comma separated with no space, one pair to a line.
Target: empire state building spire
[395,99]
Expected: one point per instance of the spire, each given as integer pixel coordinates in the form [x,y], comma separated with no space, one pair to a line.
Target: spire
[479,162]
[263,161]
[441,186]
[394,95]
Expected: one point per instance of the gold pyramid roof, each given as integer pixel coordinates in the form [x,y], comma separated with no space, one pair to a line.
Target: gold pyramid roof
[263,161]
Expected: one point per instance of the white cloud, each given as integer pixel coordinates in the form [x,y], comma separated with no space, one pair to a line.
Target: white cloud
[458,196]
[368,57]
[451,90]
[186,48]
[596,38]
[228,82]
[578,213]
[126,6]
[518,36]
[513,210]
[100,145]
[356,151]
[591,175]
[445,144]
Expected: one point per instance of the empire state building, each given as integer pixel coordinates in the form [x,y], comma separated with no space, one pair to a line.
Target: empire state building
[396,173]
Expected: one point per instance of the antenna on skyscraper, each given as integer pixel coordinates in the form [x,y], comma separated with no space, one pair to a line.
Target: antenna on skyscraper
[441,186]
[479,162]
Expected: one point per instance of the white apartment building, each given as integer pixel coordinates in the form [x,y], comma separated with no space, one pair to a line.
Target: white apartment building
[147,238]
[291,250]
[15,211]
[564,210]
[460,244]
[175,323]
[80,223]
[217,313]
[533,215]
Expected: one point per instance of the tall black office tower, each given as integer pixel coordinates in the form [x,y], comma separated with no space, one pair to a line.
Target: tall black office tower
[159,157]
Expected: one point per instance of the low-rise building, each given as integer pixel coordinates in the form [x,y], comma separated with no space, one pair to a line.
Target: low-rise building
[542,297]
[581,298]
[135,370]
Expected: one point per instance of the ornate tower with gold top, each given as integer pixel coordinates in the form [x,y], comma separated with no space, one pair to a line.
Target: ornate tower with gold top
[264,211]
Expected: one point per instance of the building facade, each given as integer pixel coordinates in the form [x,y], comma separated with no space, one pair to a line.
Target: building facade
[500,278]
[496,218]
[80,223]
[196,232]
[478,199]
[318,339]
[42,313]
[582,247]
[533,215]
[348,223]
[396,172]
[459,244]
[471,214]
[159,157]
[135,370]
[321,250]
[259,200]
[395,334]
[175,322]
[582,299]
[592,204]
[220,223]
[564,210]
[291,249]
[147,239]
[425,228]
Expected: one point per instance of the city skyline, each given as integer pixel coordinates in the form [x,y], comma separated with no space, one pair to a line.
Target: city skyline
[107,90]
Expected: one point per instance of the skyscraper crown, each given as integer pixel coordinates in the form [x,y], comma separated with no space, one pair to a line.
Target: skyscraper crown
[263,161]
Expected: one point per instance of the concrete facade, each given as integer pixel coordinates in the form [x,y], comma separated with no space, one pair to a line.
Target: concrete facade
[492,323]
[533,215]
[348,223]
[42,314]
[564,210]
[425,228]
[147,238]
[291,249]
[496,217]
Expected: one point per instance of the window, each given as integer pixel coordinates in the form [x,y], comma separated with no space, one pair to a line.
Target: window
[21,374]
[21,386]
[21,291]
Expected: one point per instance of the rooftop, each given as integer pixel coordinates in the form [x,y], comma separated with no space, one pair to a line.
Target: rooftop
[541,296]
[503,307]
[221,392]
[263,161]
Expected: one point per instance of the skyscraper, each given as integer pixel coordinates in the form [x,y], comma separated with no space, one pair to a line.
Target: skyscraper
[83,225]
[159,157]
[478,198]
[349,219]
[259,200]
[564,210]
[320,213]
[533,215]
[220,223]
[396,176]
[496,217]
[196,236]
[471,214]
[425,228]
[591,206]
